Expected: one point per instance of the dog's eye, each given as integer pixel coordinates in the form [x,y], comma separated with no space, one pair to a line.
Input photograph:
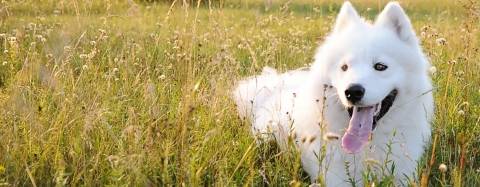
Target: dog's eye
[344,67]
[380,67]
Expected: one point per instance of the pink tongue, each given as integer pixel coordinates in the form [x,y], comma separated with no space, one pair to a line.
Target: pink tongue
[359,129]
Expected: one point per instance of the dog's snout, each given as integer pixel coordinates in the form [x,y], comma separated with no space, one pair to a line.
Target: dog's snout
[355,93]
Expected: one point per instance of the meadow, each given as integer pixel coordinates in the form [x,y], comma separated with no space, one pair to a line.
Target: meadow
[133,93]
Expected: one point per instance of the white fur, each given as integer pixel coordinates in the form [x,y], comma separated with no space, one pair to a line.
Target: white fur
[299,102]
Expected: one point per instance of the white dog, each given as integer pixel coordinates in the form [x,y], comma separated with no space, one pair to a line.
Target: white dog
[366,101]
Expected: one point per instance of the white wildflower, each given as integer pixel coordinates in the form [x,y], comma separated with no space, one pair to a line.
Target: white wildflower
[441,41]
[442,168]
[432,70]
[12,39]
[162,77]
[67,48]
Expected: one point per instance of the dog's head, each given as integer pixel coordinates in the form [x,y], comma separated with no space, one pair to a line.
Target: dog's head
[369,64]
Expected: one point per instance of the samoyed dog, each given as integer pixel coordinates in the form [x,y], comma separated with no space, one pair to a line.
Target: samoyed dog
[365,103]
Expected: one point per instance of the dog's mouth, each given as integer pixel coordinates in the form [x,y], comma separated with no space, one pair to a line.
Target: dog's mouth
[363,120]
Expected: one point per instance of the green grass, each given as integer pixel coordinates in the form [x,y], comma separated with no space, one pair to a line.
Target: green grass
[108,93]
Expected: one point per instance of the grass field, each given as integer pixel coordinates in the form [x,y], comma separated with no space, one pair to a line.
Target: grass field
[120,93]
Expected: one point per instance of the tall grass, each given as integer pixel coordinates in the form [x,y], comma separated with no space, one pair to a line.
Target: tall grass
[120,93]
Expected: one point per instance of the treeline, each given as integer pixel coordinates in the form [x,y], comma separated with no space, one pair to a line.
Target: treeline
[181,2]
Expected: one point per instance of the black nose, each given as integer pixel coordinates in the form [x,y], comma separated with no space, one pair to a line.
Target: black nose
[355,93]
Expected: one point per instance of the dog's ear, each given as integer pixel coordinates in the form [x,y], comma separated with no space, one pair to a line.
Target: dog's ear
[348,15]
[393,17]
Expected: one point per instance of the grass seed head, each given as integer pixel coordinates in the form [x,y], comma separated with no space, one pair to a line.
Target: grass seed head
[329,136]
